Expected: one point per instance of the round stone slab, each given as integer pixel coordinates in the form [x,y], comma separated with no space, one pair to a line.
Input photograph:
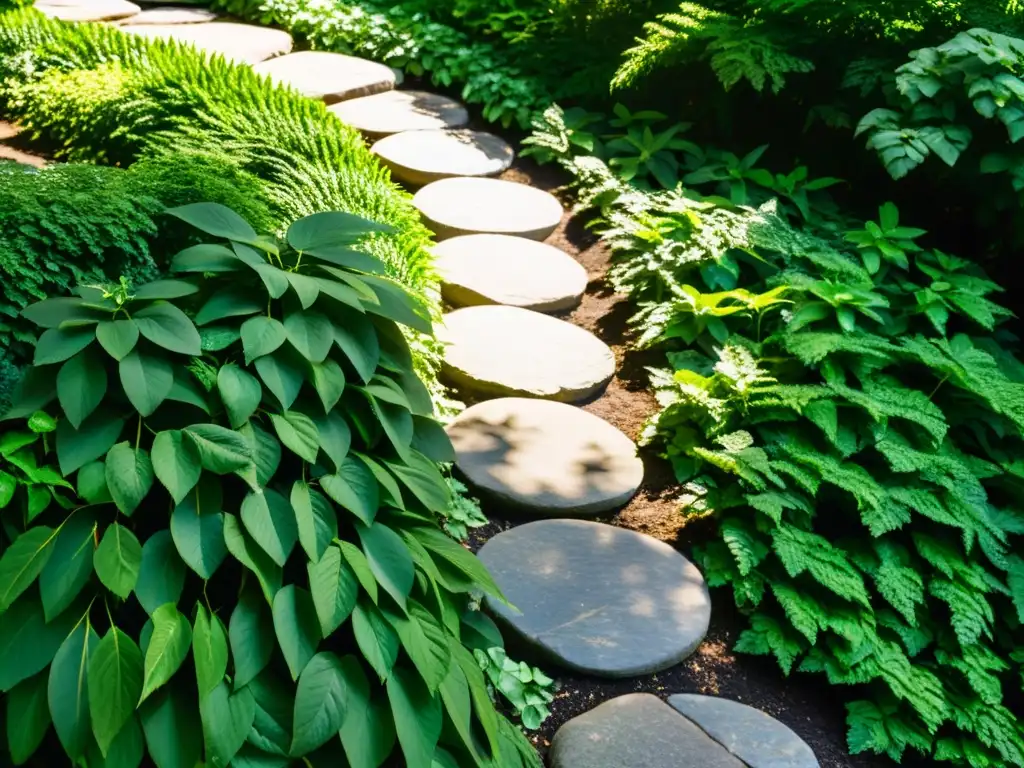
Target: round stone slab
[598,599]
[501,269]
[87,10]
[241,43]
[635,731]
[396,111]
[172,15]
[329,76]
[756,738]
[548,459]
[508,351]
[472,206]
[420,157]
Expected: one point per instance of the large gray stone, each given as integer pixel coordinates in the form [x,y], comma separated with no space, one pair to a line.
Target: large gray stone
[756,738]
[549,459]
[501,269]
[87,10]
[508,351]
[472,206]
[598,599]
[635,731]
[396,111]
[329,76]
[420,157]
[171,15]
[240,43]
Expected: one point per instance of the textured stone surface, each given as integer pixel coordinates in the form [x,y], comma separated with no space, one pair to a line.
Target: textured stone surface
[471,206]
[756,738]
[241,43]
[508,351]
[635,731]
[501,269]
[329,76]
[395,111]
[172,15]
[550,459]
[420,157]
[87,10]
[598,599]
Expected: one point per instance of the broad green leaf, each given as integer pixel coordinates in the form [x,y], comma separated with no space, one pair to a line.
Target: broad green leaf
[28,717]
[186,389]
[118,560]
[92,483]
[331,228]
[310,333]
[329,382]
[368,731]
[261,336]
[227,719]
[397,424]
[444,546]
[298,433]
[173,730]
[221,450]
[357,339]
[480,693]
[39,498]
[207,257]
[81,384]
[8,487]
[270,520]
[68,570]
[68,690]
[417,714]
[126,750]
[398,304]
[41,422]
[421,476]
[334,589]
[146,379]
[197,527]
[296,627]
[240,392]
[348,258]
[281,377]
[320,703]
[129,475]
[51,313]
[425,641]
[36,389]
[164,289]
[266,451]
[376,638]
[275,704]
[176,462]
[167,326]
[167,648]
[58,344]
[115,683]
[28,642]
[215,219]
[76,448]
[306,288]
[360,567]
[162,574]
[355,488]
[249,554]
[315,518]
[229,302]
[23,561]
[389,560]
[209,650]
[215,338]
[391,495]
[335,437]
[346,295]
[430,439]
[251,633]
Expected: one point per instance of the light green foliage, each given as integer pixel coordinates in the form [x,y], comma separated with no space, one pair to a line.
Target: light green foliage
[526,688]
[255,565]
[463,513]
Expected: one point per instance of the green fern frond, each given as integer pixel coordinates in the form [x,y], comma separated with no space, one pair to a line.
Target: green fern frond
[802,610]
[801,552]
[767,637]
[897,581]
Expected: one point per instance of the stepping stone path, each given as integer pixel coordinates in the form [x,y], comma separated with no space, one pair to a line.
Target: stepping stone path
[171,15]
[329,76]
[420,157]
[756,738]
[242,43]
[598,599]
[396,111]
[87,10]
[472,206]
[501,269]
[548,459]
[515,352]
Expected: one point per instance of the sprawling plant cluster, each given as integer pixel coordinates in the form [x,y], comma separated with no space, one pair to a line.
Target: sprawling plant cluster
[840,396]
[226,547]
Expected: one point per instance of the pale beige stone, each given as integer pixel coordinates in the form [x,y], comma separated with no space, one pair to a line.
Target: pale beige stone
[240,43]
[420,157]
[329,76]
[396,111]
[87,10]
[507,351]
[171,15]
[501,269]
[474,206]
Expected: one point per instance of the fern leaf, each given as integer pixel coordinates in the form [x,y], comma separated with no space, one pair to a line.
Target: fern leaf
[774,503]
[978,663]
[899,583]
[972,615]
[801,552]
[744,544]
[767,637]
[881,729]
[802,610]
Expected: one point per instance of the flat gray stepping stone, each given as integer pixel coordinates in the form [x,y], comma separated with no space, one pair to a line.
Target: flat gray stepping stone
[508,351]
[473,206]
[172,15]
[420,157]
[396,111]
[329,76]
[756,738]
[548,459]
[240,43]
[598,599]
[635,731]
[501,269]
[87,10]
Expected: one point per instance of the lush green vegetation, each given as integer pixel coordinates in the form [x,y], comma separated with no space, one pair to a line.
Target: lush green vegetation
[219,520]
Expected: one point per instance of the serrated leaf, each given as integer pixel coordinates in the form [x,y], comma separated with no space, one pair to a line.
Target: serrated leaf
[167,648]
[209,650]
[115,683]
[296,627]
[161,575]
[320,703]
[270,520]
[334,589]
[81,384]
[129,476]
[167,326]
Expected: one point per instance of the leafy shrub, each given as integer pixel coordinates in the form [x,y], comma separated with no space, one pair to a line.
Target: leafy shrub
[259,486]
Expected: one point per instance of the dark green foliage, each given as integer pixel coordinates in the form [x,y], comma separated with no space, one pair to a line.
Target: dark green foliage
[252,565]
